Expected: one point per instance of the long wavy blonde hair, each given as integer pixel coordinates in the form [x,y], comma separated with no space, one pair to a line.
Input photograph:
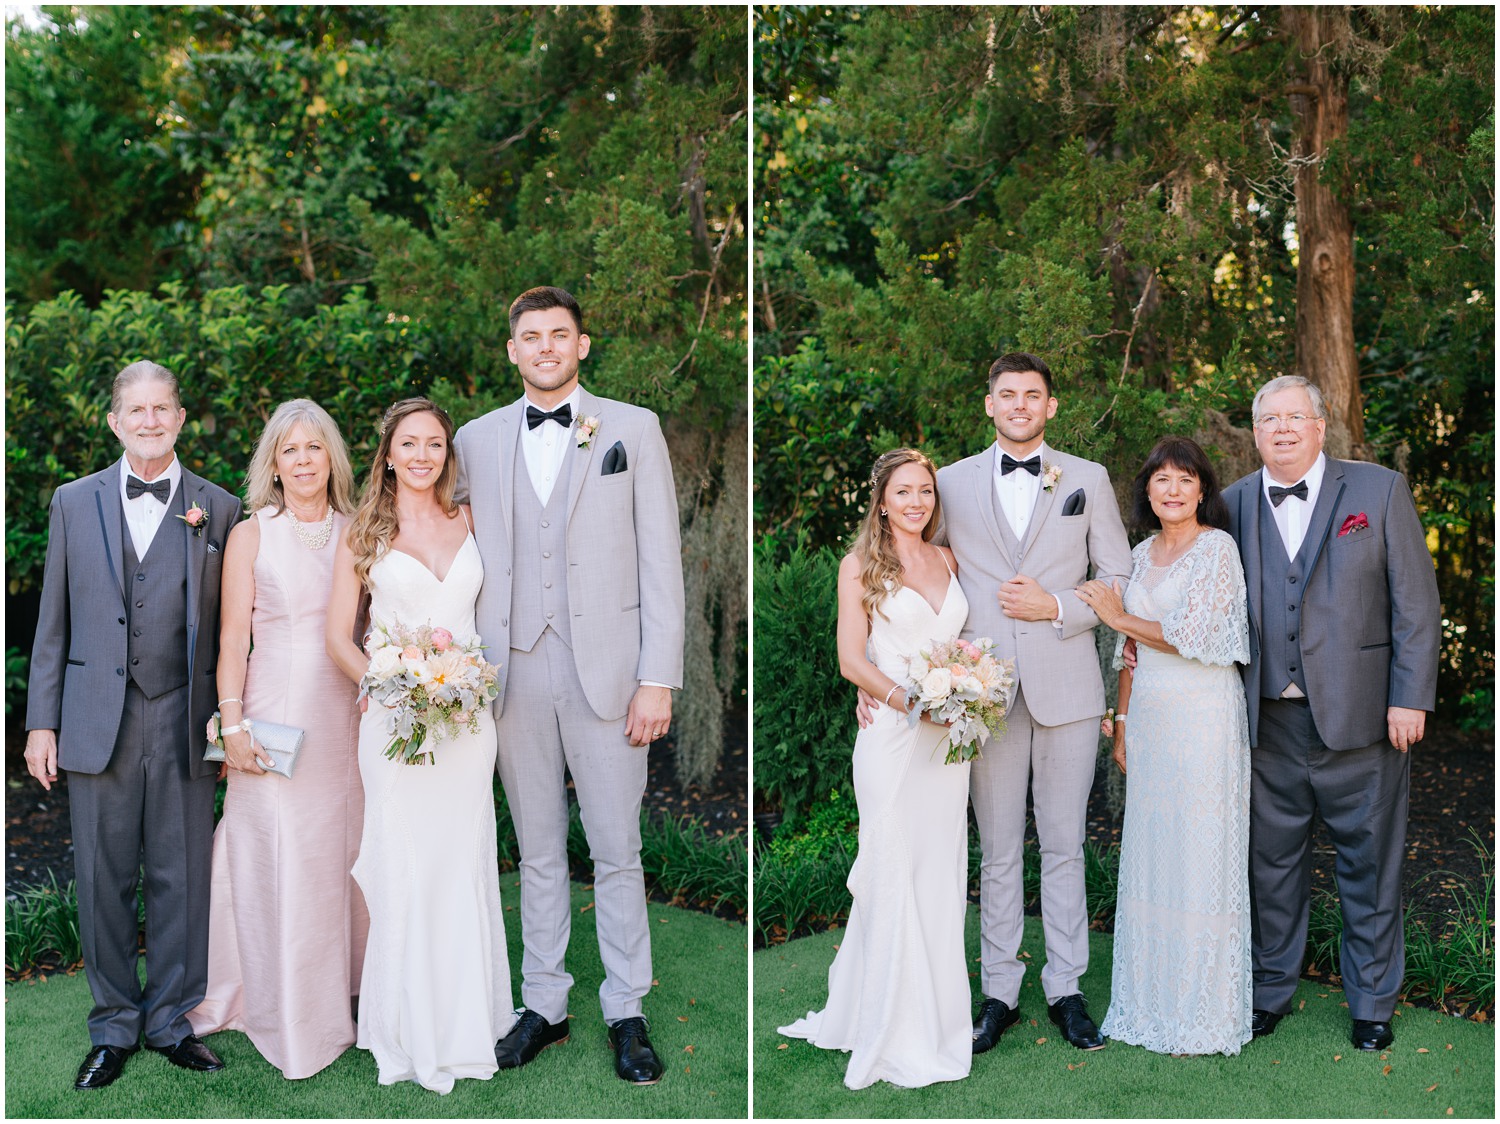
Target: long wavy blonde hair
[263,489]
[875,546]
[376,523]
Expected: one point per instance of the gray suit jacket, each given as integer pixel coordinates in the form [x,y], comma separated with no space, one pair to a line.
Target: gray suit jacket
[77,683]
[1058,670]
[625,588]
[1371,619]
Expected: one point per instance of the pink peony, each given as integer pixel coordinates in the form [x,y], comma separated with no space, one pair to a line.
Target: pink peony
[411,652]
[195,516]
[441,638]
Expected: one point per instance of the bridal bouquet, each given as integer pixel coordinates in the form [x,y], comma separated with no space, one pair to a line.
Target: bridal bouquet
[430,682]
[961,683]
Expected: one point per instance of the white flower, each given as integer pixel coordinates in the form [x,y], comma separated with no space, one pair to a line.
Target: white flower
[1051,474]
[936,684]
[587,427]
[385,663]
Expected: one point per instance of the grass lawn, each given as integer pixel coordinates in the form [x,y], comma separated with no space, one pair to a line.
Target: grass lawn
[1437,1066]
[697,1012]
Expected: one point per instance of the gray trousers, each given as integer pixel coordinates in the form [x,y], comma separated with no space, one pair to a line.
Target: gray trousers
[144,812]
[547,724]
[1059,762]
[1361,794]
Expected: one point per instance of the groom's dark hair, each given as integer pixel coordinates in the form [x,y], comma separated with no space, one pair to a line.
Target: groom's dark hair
[541,298]
[1014,363]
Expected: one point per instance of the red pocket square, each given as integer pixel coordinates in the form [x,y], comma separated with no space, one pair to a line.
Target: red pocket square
[1354,523]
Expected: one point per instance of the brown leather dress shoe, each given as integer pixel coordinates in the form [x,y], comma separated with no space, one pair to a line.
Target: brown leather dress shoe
[101,1066]
[190,1053]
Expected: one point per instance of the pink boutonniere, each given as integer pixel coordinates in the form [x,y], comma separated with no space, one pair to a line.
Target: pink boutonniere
[196,519]
[587,427]
[1354,523]
[1051,474]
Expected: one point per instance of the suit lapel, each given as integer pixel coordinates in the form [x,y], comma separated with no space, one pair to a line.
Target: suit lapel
[1250,501]
[1043,508]
[582,466]
[196,547]
[988,503]
[508,418]
[111,525]
[1317,523]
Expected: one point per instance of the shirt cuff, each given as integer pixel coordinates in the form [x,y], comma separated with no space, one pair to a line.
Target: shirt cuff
[1058,623]
[648,683]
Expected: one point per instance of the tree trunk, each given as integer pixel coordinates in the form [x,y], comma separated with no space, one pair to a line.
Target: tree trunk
[1325,235]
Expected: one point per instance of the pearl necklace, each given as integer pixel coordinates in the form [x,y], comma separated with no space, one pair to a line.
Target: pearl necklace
[317,537]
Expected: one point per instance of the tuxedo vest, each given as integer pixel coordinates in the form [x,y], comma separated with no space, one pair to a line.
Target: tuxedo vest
[539,586]
[1282,584]
[156,605]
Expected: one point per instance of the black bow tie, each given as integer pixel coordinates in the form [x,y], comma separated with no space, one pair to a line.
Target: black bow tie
[1299,489]
[1009,464]
[135,486]
[563,416]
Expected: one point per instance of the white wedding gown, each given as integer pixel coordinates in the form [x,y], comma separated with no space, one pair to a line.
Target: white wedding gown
[1181,981]
[898,989]
[435,994]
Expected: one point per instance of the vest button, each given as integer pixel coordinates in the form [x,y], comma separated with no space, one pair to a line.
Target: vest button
[1292,668]
[504,622]
[119,671]
[1292,578]
[137,632]
[546,585]
[545,523]
[1291,608]
[1292,638]
[137,663]
[140,604]
[549,616]
[140,577]
[546,554]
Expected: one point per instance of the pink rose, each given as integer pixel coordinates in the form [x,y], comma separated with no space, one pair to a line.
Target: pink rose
[957,670]
[411,652]
[195,516]
[441,638]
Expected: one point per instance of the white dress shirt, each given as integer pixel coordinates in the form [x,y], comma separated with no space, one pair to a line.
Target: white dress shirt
[1017,492]
[1292,515]
[143,515]
[546,446]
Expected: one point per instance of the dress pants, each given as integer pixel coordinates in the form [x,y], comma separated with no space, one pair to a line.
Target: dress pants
[1361,794]
[1059,762]
[547,723]
[144,813]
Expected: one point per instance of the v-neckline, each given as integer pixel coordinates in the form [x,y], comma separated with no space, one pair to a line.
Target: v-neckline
[947,593]
[444,579]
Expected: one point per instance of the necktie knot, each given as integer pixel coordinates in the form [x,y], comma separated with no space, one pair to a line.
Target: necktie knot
[1278,493]
[135,486]
[1009,464]
[563,416]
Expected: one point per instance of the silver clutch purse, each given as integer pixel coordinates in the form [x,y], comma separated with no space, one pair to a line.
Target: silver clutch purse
[281,743]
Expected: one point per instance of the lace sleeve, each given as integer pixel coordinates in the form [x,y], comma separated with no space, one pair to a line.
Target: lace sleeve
[1211,625]
[1135,566]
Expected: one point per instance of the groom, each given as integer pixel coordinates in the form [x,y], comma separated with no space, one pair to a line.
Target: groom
[119,696]
[1026,524]
[575,514]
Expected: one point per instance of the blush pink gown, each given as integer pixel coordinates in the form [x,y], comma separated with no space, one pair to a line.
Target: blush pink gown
[287,923]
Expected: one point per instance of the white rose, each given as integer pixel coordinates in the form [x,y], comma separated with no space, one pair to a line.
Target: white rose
[936,684]
[386,662]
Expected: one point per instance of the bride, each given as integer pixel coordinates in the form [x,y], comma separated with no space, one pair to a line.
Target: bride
[898,990]
[435,993]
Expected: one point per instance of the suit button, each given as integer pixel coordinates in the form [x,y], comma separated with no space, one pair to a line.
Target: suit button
[507,571]
[122,620]
[504,622]
[545,523]
[140,604]
[546,554]
[1291,608]
[546,585]
[137,663]
[137,632]
[1293,638]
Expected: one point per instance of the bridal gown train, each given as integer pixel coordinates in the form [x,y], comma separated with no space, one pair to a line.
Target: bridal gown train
[435,994]
[898,989]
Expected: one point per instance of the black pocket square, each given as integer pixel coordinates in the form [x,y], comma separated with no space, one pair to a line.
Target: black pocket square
[1074,504]
[614,460]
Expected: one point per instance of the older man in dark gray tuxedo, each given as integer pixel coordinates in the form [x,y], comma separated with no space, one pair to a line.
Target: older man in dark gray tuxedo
[1344,636]
[120,693]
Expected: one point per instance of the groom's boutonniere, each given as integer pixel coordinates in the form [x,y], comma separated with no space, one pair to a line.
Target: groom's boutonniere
[587,427]
[1354,523]
[196,519]
[1051,474]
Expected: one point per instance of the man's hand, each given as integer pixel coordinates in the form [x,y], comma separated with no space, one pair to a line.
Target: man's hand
[41,756]
[864,712]
[1405,727]
[1127,657]
[1023,599]
[649,716]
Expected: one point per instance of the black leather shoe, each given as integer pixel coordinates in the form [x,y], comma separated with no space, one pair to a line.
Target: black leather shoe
[1371,1036]
[993,1020]
[190,1053]
[1263,1023]
[1071,1014]
[101,1066]
[529,1037]
[635,1060]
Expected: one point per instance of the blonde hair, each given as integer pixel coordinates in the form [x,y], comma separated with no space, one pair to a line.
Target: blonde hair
[879,568]
[262,489]
[376,522]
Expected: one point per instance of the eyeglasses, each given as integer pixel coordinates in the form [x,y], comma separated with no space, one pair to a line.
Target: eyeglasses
[1276,421]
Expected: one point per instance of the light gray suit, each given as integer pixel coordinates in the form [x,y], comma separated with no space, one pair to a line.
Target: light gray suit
[1051,734]
[139,791]
[1366,637]
[618,593]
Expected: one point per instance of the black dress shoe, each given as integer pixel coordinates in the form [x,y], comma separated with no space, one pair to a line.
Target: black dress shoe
[101,1066]
[1263,1023]
[1372,1036]
[993,1020]
[1071,1014]
[635,1060]
[190,1053]
[529,1037]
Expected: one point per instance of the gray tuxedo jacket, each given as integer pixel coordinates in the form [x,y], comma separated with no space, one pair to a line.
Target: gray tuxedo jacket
[625,589]
[77,683]
[1371,619]
[1057,669]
